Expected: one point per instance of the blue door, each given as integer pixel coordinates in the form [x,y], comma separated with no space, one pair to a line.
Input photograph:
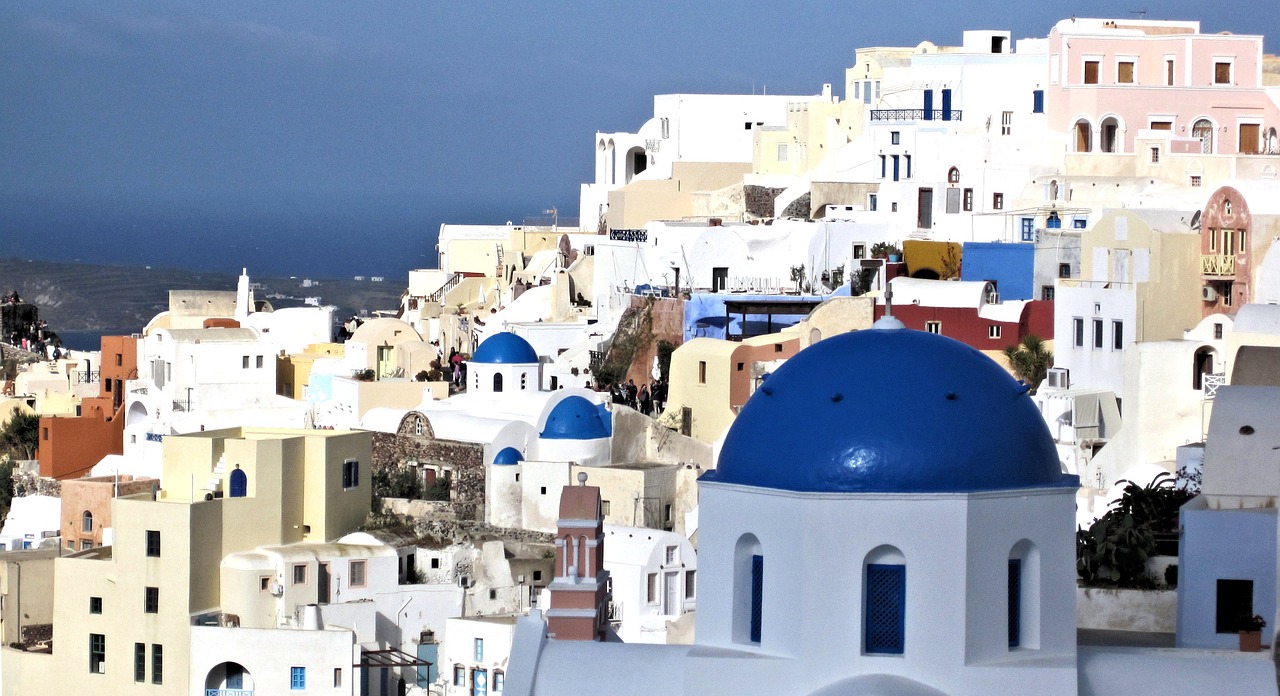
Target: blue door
[480,682]
[946,105]
[928,105]
[239,484]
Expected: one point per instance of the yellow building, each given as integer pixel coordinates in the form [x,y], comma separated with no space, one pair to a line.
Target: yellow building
[123,613]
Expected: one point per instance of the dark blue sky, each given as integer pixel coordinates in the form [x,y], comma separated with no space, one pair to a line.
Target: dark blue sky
[333,138]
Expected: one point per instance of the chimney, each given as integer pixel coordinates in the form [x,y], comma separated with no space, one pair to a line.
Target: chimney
[579,597]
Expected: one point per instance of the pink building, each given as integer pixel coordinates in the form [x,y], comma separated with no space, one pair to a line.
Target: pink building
[1109,80]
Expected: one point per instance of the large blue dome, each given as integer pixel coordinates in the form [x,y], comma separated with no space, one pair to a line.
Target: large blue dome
[505,348]
[893,411]
[575,418]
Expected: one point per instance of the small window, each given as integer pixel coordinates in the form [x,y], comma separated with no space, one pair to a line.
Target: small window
[1222,73]
[690,583]
[119,360]
[1046,293]
[151,600]
[702,372]
[997,201]
[1097,333]
[86,522]
[895,138]
[157,663]
[670,555]
[993,331]
[337,676]
[1168,72]
[741,366]
[604,508]
[537,575]
[139,662]
[1015,602]
[1006,123]
[1037,101]
[1117,335]
[1124,72]
[933,327]
[435,563]
[479,649]
[1079,223]
[651,589]
[356,573]
[1217,331]
[886,592]
[85,544]
[95,605]
[259,363]
[244,362]
[459,675]
[300,573]
[499,681]
[1155,155]
[1064,270]
[1077,332]
[783,152]
[1091,72]
[153,543]
[777,347]
[264,583]
[872,201]
[297,678]
[968,199]
[1195,181]
[97,653]
[350,474]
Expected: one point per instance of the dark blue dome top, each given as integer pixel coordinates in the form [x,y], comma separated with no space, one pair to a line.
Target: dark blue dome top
[575,418]
[505,348]
[891,411]
[508,456]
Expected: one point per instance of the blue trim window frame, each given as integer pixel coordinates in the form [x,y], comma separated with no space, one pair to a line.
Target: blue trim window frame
[1037,101]
[297,678]
[757,597]
[479,649]
[886,609]
[1015,602]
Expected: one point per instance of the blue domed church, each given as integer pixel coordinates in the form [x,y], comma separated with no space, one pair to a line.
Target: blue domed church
[888,516]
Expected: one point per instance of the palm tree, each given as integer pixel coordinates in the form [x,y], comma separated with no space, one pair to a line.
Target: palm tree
[1030,360]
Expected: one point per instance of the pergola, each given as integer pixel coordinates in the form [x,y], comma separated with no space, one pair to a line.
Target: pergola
[786,308]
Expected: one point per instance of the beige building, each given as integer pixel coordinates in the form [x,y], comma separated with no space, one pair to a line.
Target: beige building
[123,615]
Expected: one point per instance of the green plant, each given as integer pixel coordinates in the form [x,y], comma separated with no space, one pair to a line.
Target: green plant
[665,349]
[423,375]
[396,482]
[797,276]
[837,276]
[950,262]
[1251,622]
[882,250]
[437,490]
[20,437]
[1113,552]
[862,281]
[1030,360]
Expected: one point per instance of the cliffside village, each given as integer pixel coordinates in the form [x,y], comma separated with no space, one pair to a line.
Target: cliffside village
[812,398]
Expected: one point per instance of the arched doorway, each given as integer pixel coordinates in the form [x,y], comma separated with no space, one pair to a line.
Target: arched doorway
[239,483]
[637,162]
[1110,134]
[229,676]
[1202,365]
[1203,131]
[1084,136]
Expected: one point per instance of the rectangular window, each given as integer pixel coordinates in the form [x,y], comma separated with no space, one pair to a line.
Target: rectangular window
[1117,335]
[85,544]
[119,360]
[1213,241]
[356,573]
[1228,242]
[479,649]
[1155,155]
[757,597]
[300,573]
[1195,181]
[1097,333]
[1046,293]
[97,653]
[297,678]
[1162,125]
[782,152]
[157,663]
[886,596]
[1217,331]
[953,200]
[993,331]
[459,675]
[1064,270]
[337,671]
[871,202]
[883,160]
[670,555]
[1037,101]
[1079,223]
[1168,72]
[259,362]
[1006,123]
[1015,602]
[139,662]
[702,372]
[244,362]
[95,605]
[895,138]
[997,201]
[499,678]
[151,600]
[1077,332]
[968,200]
[153,543]
[908,161]
[690,583]
[1124,72]
[1091,72]
[1240,239]
[604,508]
[651,589]
[1226,294]
[1222,72]
[350,474]
[933,327]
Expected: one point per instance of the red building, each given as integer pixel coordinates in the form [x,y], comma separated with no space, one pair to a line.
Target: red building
[963,310]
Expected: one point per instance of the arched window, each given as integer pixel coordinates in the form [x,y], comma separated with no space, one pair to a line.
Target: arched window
[1202,130]
[748,590]
[239,483]
[1053,222]
[497,381]
[885,599]
[1053,190]
[953,176]
[1084,136]
[1022,605]
[87,521]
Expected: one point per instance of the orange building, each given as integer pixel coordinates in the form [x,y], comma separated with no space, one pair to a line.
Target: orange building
[86,506]
[70,446]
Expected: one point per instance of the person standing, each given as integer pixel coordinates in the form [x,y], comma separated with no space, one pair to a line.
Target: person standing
[646,402]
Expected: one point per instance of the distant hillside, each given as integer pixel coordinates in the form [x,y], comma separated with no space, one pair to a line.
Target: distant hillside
[85,297]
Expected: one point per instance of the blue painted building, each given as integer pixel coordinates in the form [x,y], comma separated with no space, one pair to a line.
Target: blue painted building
[1010,266]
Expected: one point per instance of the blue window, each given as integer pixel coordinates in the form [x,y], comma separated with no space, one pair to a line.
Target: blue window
[1053,222]
[886,603]
[895,168]
[1015,602]
[1037,101]
[928,105]
[479,649]
[946,105]
[882,166]
[498,681]
[1028,229]
[1079,223]
[297,678]
[866,92]
[757,596]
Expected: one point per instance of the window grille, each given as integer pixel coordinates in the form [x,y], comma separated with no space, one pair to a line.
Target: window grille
[886,608]
[1015,602]
[757,596]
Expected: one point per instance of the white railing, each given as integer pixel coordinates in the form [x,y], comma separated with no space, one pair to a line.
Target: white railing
[1211,383]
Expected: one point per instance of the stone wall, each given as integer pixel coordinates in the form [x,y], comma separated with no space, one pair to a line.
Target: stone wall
[465,459]
[799,208]
[759,200]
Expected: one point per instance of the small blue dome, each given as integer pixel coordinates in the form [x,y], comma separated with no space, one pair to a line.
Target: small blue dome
[575,418]
[890,411]
[505,348]
[508,456]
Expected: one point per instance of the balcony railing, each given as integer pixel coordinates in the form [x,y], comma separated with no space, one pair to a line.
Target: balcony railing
[228,692]
[84,377]
[1212,381]
[1218,265]
[915,115]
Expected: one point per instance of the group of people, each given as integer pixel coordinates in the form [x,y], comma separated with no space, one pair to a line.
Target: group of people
[645,399]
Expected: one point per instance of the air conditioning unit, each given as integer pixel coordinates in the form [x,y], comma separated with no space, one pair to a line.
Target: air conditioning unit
[1208,294]
[277,590]
[993,298]
[1059,378]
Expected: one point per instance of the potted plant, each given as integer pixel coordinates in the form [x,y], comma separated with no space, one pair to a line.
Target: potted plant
[1251,626]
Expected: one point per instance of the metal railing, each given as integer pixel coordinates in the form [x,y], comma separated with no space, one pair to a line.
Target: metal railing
[1212,381]
[450,284]
[228,692]
[915,115]
[87,377]
[1218,264]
